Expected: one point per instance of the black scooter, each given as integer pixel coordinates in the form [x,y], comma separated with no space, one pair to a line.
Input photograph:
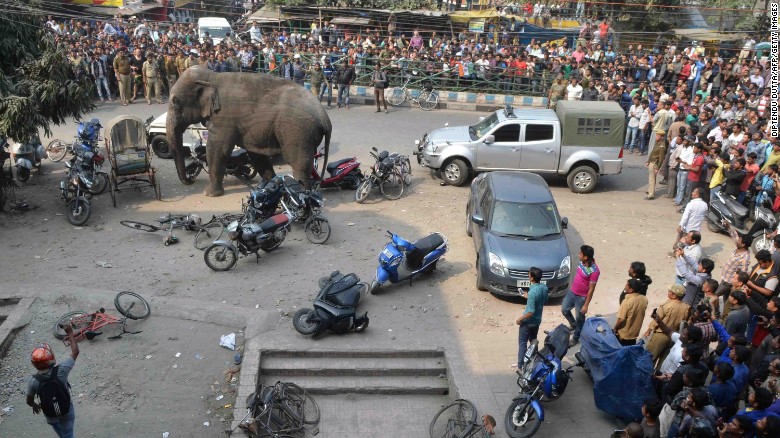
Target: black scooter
[239,163]
[726,208]
[334,307]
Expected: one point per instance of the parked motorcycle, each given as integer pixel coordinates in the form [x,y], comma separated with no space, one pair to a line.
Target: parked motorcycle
[344,174]
[28,156]
[726,208]
[246,238]
[401,259]
[89,162]
[334,307]
[75,192]
[305,206]
[385,175]
[87,136]
[238,163]
[542,377]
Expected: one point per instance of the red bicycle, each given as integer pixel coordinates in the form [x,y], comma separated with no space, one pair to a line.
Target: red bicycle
[86,325]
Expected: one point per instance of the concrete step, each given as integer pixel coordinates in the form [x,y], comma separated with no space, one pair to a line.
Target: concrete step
[352,366]
[353,353]
[385,385]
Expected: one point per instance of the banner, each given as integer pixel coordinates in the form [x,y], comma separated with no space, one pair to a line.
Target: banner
[114,3]
[477,26]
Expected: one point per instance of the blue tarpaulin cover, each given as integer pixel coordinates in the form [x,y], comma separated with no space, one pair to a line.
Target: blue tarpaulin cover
[621,375]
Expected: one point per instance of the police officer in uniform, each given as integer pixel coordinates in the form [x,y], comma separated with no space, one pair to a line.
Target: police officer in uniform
[151,78]
[122,70]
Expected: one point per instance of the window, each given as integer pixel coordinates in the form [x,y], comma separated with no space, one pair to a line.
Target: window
[538,132]
[593,126]
[508,133]
[484,205]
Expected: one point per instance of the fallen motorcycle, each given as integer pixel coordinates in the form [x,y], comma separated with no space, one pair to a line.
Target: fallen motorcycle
[344,174]
[305,206]
[401,259]
[247,238]
[237,164]
[334,307]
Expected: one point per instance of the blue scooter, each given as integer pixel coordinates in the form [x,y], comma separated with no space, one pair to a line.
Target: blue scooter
[401,259]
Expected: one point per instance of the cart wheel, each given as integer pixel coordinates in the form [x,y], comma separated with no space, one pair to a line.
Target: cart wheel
[112,183]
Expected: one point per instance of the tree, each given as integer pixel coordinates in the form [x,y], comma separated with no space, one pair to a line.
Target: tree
[38,85]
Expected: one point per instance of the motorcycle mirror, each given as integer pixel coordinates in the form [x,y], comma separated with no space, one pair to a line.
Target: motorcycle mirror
[565,222]
[375,149]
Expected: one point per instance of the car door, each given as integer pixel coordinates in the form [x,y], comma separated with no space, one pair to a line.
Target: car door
[482,208]
[503,153]
[538,150]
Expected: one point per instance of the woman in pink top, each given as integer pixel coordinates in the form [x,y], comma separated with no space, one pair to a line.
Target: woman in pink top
[581,292]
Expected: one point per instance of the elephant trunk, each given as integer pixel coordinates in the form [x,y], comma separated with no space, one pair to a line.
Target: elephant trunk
[175,132]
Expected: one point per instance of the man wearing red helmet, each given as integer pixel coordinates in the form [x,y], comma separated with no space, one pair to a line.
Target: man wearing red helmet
[52,378]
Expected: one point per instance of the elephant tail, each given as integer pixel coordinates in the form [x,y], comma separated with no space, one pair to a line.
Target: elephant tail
[325,154]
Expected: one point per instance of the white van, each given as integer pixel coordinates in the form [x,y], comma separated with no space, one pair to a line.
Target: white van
[217,27]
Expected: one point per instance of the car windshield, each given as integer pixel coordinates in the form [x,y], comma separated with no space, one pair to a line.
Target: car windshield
[215,32]
[525,220]
[483,126]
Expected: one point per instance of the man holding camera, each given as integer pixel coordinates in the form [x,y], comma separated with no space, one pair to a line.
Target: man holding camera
[672,313]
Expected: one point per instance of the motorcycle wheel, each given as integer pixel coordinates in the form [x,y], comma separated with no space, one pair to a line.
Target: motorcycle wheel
[374,286]
[713,227]
[317,230]
[274,242]
[521,420]
[22,173]
[79,211]
[761,242]
[193,170]
[220,257]
[100,184]
[363,191]
[305,321]
[244,176]
[351,181]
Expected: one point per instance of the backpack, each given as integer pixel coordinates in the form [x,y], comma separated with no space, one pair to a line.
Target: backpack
[52,393]
[702,428]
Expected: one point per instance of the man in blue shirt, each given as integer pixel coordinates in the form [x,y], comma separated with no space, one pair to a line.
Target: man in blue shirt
[530,321]
[758,402]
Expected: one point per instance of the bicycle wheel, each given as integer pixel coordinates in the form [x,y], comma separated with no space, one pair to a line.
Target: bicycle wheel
[56,150]
[428,100]
[393,186]
[396,96]
[132,305]
[140,226]
[208,234]
[79,318]
[317,229]
[299,400]
[455,420]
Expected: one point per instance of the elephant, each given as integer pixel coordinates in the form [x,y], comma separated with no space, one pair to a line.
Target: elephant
[264,114]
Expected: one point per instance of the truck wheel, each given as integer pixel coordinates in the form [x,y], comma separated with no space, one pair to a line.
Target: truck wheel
[161,147]
[582,179]
[455,172]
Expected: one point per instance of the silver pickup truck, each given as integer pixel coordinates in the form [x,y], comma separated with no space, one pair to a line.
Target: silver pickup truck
[582,140]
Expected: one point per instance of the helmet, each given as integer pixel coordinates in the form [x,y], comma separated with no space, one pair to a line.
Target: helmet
[42,357]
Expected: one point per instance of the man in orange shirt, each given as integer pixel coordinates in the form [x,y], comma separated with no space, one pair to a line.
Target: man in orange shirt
[520,74]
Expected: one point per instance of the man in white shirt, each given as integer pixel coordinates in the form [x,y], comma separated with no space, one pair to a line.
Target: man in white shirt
[574,90]
[255,35]
[632,133]
[692,216]
[717,133]
[692,250]
[757,79]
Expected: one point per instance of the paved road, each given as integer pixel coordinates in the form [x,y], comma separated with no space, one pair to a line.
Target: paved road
[443,310]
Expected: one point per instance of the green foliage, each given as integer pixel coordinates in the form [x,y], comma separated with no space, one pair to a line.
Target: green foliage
[650,18]
[38,86]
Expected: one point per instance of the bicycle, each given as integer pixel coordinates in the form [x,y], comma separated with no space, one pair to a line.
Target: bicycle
[86,325]
[427,98]
[189,222]
[281,411]
[213,229]
[459,420]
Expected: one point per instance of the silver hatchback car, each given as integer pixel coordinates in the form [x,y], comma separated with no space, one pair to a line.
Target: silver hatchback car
[515,225]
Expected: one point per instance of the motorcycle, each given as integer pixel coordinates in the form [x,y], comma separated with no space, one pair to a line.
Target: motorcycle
[385,174]
[726,208]
[264,200]
[238,163]
[75,192]
[87,137]
[401,259]
[246,238]
[28,155]
[334,307]
[344,174]
[305,206]
[89,162]
[542,377]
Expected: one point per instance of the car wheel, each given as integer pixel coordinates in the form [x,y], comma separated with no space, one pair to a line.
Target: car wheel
[582,179]
[161,147]
[455,172]
[480,284]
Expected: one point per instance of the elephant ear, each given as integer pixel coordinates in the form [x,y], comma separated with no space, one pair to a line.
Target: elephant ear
[208,99]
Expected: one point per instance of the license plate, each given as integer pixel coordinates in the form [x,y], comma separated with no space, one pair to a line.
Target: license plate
[526,283]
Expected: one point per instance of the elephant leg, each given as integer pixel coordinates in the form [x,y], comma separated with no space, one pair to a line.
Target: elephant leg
[263,165]
[217,157]
[302,170]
